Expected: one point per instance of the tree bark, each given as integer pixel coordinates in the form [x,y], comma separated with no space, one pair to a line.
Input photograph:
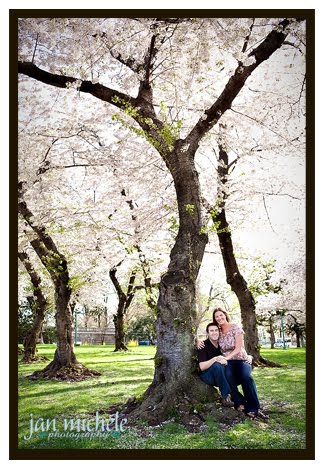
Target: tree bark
[39,306]
[118,319]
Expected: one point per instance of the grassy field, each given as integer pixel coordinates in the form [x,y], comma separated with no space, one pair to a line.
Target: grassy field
[281,392]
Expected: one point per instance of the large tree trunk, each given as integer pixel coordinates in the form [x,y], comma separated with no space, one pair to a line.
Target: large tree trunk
[64,356]
[38,306]
[233,276]
[174,376]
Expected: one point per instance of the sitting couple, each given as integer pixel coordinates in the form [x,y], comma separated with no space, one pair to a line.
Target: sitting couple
[223,362]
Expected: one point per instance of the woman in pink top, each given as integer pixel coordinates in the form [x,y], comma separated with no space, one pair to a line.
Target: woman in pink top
[238,370]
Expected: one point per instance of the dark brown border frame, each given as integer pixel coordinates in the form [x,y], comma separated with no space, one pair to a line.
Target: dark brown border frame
[184,454]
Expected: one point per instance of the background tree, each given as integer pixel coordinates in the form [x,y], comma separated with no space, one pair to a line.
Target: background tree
[269,320]
[294,326]
[64,363]
[25,320]
[283,296]
[124,300]
[142,328]
[39,305]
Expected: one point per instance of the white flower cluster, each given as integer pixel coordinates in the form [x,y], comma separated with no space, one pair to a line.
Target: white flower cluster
[74,85]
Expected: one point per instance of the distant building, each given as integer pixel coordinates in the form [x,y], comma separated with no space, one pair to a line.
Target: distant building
[95,336]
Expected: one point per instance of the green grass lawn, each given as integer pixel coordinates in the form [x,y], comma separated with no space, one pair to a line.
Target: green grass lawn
[281,392]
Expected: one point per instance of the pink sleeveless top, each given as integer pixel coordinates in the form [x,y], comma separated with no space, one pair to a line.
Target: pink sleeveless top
[226,343]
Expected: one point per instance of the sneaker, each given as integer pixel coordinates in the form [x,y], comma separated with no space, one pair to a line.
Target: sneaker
[226,402]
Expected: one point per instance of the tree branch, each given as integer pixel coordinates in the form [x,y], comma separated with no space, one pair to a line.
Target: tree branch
[129,62]
[141,108]
[64,81]
[148,61]
[278,194]
[261,53]
[28,216]
[36,44]
[33,275]
[172,20]
[264,125]
[266,210]
[247,38]
[131,281]
[113,277]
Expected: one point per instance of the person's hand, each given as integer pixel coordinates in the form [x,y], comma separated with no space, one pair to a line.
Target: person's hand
[222,360]
[249,359]
[200,344]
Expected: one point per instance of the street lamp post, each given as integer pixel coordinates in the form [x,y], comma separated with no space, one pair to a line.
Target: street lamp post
[76,341]
[283,330]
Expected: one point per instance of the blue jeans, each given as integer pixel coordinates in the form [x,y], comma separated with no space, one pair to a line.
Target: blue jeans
[239,372]
[215,376]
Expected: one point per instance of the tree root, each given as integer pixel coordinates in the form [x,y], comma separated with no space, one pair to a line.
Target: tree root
[192,415]
[33,359]
[189,406]
[263,362]
[121,348]
[74,372]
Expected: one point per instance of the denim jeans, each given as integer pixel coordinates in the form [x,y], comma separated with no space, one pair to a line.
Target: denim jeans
[215,375]
[239,372]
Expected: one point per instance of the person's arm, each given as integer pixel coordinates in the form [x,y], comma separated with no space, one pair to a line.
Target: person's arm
[249,359]
[200,344]
[239,343]
[204,365]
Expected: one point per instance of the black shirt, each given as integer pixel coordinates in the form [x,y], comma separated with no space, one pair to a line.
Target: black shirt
[208,352]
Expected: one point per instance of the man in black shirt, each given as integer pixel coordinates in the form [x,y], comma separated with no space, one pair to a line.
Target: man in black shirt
[212,367]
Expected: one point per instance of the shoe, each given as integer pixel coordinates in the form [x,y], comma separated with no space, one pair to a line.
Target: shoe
[226,402]
[259,414]
[240,408]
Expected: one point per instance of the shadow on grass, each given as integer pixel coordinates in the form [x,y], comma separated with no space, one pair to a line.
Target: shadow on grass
[123,361]
[83,387]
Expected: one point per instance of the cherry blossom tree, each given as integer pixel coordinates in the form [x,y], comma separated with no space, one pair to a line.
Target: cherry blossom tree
[144,64]
[64,363]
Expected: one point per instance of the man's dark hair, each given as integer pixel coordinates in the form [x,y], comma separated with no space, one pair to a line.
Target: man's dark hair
[210,324]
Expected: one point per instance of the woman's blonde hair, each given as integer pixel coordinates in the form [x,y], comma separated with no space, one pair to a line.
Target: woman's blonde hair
[223,311]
